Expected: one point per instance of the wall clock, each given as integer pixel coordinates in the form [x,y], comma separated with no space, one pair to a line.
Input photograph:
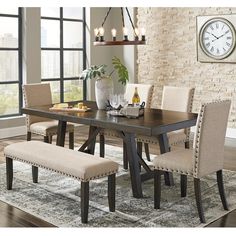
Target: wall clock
[216,38]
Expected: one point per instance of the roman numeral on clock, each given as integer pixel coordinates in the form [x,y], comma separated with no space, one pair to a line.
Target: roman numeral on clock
[228,44]
[208,45]
[212,49]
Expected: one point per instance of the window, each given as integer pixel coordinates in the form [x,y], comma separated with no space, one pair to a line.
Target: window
[63,52]
[10,62]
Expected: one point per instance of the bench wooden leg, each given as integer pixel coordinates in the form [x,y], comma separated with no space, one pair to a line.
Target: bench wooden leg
[9,169]
[35,174]
[84,196]
[112,192]
[157,189]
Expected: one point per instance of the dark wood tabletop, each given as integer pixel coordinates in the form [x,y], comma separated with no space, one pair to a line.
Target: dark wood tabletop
[154,122]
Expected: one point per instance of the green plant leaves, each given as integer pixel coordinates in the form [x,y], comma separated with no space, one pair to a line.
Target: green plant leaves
[93,72]
[98,71]
[121,70]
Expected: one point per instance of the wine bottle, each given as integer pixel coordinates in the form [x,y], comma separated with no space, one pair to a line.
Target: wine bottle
[136,98]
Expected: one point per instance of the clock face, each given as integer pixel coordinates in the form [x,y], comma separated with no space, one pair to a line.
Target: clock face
[217,38]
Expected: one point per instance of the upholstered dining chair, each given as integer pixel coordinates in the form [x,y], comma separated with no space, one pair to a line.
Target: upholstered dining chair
[145,92]
[39,95]
[175,99]
[206,157]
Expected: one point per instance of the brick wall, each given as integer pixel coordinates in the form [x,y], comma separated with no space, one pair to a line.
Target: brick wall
[170,57]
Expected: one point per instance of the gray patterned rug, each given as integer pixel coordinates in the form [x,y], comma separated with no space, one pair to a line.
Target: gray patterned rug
[55,199]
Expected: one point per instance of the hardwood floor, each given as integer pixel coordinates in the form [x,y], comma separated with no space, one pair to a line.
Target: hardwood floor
[13,217]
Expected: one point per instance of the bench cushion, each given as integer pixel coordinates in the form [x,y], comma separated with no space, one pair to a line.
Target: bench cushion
[72,163]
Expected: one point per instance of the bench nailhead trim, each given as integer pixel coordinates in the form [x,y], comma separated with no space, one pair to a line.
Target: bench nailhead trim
[63,173]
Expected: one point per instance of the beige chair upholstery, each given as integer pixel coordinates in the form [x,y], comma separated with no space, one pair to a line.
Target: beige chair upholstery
[39,95]
[174,99]
[207,155]
[145,92]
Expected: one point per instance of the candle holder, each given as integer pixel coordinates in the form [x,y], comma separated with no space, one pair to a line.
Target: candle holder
[137,37]
[125,37]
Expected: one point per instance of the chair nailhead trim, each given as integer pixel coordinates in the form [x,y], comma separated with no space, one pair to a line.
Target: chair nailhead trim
[198,136]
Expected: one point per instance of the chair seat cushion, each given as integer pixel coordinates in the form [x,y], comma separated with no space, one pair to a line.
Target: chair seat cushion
[76,164]
[48,127]
[175,161]
[174,137]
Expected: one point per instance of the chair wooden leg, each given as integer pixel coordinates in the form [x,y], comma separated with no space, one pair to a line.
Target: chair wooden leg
[186,145]
[28,136]
[102,145]
[183,180]
[197,189]
[84,196]
[157,189]
[221,189]
[146,148]
[125,158]
[9,173]
[112,192]
[46,139]
[50,138]
[35,174]
[71,140]
[140,148]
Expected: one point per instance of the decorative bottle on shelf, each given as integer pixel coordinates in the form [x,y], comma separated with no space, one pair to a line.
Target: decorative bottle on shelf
[136,98]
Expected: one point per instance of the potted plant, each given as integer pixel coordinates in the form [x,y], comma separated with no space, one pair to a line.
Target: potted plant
[104,83]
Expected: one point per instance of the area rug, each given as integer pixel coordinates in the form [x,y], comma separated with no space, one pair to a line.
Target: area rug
[55,199]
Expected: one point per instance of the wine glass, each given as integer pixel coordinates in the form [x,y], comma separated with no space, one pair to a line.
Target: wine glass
[114,101]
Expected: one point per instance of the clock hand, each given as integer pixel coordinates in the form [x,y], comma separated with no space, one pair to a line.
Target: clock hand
[212,35]
[219,37]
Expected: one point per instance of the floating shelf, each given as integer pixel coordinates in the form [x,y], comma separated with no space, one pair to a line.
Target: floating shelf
[116,43]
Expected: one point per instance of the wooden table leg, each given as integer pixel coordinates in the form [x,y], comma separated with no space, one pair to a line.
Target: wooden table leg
[91,145]
[164,147]
[134,168]
[61,133]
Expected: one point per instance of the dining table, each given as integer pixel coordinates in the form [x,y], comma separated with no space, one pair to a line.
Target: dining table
[153,122]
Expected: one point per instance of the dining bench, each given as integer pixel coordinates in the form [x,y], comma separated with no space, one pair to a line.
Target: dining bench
[78,165]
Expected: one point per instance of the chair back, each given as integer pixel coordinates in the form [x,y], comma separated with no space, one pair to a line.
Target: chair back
[177,98]
[145,92]
[208,153]
[36,95]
